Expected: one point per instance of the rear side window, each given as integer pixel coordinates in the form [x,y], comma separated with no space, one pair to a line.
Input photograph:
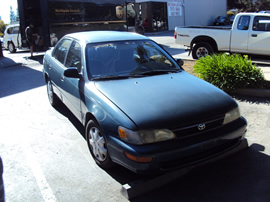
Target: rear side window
[61,50]
[15,30]
[261,23]
[243,23]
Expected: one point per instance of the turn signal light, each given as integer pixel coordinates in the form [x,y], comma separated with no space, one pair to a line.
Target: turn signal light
[138,159]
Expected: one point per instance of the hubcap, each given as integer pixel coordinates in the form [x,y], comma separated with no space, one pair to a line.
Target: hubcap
[10,47]
[202,52]
[97,144]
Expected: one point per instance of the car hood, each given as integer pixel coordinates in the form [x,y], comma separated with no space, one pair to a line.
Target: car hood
[166,101]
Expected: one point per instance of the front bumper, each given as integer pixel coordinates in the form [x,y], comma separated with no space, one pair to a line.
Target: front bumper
[178,153]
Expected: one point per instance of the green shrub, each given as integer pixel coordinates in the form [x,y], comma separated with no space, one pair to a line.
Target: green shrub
[229,72]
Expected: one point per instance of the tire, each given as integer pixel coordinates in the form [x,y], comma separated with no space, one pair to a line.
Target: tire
[11,47]
[53,99]
[202,49]
[97,145]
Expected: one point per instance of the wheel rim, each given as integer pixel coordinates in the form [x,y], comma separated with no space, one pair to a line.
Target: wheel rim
[50,91]
[10,47]
[202,52]
[97,144]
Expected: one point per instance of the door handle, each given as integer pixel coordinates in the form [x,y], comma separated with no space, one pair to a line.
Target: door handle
[253,35]
[62,78]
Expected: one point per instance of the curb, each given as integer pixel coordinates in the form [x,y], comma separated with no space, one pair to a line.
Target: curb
[261,93]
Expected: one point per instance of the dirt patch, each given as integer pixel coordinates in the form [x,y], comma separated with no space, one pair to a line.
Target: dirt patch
[188,66]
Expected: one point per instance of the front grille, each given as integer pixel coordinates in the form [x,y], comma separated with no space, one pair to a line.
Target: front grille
[193,129]
[200,156]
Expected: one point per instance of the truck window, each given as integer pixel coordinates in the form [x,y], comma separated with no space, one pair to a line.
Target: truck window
[261,23]
[243,23]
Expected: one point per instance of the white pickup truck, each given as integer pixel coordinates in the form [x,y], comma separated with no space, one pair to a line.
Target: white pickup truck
[250,34]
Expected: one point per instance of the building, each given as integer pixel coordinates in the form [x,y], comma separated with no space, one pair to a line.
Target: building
[166,14]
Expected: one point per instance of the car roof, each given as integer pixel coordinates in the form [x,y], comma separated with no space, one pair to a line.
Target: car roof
[105,36]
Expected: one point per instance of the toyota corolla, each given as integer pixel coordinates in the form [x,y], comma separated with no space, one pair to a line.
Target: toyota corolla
[140,109]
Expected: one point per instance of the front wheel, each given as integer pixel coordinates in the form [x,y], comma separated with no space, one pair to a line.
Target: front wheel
[202,49]
[97,145]
[11,47]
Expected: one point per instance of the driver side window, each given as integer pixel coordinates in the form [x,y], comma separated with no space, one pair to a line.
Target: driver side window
[61,50]
[74,56]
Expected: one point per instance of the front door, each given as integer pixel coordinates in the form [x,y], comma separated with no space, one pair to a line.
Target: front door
[240,35]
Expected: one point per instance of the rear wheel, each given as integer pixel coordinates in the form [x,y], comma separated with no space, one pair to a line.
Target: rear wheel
[202,49]
[97,145]
[53,99]
[11,47]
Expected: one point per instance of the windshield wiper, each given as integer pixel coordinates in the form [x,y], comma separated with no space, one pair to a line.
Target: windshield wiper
[114,77]
[157,72]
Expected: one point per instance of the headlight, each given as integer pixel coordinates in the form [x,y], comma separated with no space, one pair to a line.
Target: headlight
[231,116]
[145,136]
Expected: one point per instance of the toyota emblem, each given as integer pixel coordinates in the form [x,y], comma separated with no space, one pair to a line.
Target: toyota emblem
[201,126]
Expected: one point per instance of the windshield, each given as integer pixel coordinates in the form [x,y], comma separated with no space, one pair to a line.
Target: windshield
[127,59]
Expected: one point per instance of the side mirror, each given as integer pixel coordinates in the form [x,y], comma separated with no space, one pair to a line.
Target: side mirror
[180,62]
[72,72]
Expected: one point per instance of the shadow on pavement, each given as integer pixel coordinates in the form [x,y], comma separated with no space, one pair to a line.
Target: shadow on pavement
[18,78]
[6,62]
[251,99]
[61,108]
[242,177]
[37,58]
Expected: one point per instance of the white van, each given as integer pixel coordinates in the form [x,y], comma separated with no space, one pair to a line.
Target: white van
[12,38]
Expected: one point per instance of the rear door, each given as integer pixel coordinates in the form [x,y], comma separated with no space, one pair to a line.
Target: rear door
[259,42]
[240,35]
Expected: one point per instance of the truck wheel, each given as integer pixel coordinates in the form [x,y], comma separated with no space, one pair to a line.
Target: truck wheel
[11,47]
[202,49]
[97,145]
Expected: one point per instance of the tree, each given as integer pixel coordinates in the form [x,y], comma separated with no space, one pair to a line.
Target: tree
[12,15]
[2,27]
[17,15]
[263,4]
[248,5]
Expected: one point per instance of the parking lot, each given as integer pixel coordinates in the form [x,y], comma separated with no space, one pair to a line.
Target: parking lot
[46,157]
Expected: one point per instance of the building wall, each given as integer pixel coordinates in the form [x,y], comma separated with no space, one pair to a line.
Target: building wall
[192,12]
[204,12]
